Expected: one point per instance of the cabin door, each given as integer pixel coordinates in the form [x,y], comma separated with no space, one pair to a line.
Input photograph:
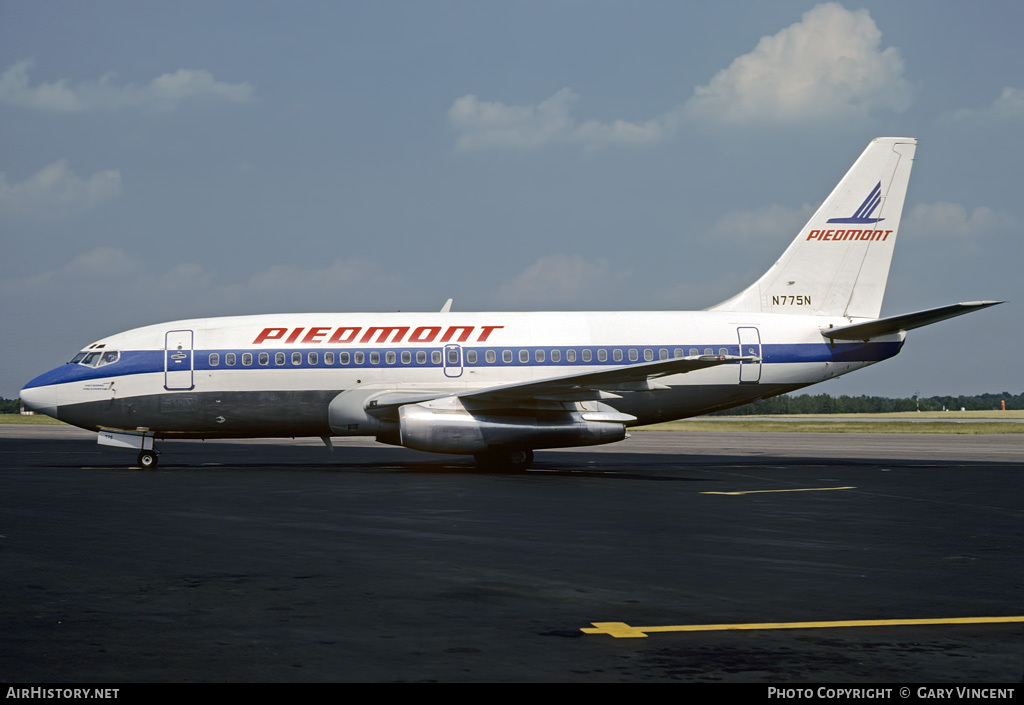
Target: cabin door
[750,345]
[452,360]
[178,360]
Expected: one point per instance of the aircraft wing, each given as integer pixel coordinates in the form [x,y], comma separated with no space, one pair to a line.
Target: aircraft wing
[584,386]
[904,322]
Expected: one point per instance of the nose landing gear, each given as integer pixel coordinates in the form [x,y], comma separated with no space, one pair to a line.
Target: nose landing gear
[140,440]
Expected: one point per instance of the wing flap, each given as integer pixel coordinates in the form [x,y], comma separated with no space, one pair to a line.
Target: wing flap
[583,386]
[613,380]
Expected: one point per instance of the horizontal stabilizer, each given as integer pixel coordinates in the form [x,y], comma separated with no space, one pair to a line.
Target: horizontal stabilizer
[905,322]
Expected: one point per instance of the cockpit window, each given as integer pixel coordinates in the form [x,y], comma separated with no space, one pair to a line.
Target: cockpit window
[91,359]
[96,359]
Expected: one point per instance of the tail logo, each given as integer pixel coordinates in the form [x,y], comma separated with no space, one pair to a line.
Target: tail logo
[863,214]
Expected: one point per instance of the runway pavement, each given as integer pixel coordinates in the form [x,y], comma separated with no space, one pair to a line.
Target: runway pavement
[280,561]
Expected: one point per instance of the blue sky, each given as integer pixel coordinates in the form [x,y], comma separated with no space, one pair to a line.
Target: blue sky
[170,160]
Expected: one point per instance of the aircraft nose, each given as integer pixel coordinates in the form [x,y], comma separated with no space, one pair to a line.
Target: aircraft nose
[40,399]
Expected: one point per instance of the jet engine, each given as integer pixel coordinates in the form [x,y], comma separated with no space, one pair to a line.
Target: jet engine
[467,432]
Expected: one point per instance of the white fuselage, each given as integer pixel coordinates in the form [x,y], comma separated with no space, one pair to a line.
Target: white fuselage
[277,374]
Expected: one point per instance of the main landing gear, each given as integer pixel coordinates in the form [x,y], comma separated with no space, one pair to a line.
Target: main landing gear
[504,460]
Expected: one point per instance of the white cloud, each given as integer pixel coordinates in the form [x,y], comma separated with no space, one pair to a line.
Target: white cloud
[162,93]
[55,191]
[561,280]
[1009,105]
[951,220]
[828,65]
[481,125]
[771,224]
[328,283]
[188,288]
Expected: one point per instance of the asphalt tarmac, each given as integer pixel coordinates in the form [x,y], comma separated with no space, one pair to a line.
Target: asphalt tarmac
[281,561]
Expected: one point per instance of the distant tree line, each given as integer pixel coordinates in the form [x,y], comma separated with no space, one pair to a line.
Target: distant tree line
[819,404]
[827,404]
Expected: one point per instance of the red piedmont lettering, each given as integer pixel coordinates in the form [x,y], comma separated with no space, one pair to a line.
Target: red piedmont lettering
[270,334]
[383,332]
[486,333]
[424,334]
[338,334]
[314,333]
[466,330]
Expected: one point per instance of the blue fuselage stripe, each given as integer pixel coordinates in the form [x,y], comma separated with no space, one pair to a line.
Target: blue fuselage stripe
[135,362]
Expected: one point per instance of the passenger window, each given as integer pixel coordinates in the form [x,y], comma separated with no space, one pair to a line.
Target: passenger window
[406,357]
[229,359]
[296,358]
[633,355]
[587,355]
[312,358]
[390,357]
[247,359]
[375,358]
[329,358]
[435,357]
[264,358]
[471,357]
[524,356]
[279,358]
[649,354]
[359,357]
[709,351]
[214,359]
[506,356]
[489,356]
[663,354]
[556,356]
[617,355]
[539,356]
[602,355]
[344,358]
[570,356]
[453,356]
[421,356]
[693,351]
[723,351]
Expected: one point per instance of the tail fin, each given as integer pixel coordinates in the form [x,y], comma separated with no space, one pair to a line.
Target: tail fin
[839,263]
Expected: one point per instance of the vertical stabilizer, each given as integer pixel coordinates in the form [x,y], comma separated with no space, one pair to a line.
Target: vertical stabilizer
[839,262]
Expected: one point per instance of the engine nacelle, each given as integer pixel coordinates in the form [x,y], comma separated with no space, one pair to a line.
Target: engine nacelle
[463,432]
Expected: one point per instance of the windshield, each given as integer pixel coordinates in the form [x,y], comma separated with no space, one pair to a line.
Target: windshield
[96,359]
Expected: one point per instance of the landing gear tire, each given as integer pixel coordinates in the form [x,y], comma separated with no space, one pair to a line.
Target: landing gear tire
[147,459]
[505,461]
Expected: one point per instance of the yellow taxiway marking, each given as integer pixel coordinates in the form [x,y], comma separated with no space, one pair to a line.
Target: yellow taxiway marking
[801,489]
[621,630]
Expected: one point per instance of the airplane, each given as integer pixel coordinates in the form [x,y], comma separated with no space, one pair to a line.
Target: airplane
[498,386]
